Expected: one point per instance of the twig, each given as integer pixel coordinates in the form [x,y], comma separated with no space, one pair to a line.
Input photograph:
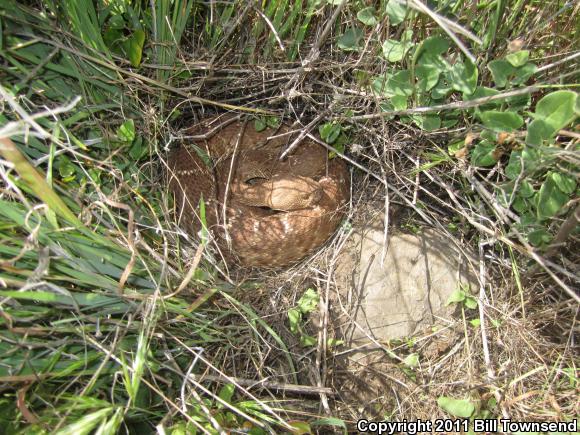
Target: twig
[272,28]
[416,4]
[306,130]
[190,272]
[483,330]
[314,51]
[559,62]
[292,388]
[457,105]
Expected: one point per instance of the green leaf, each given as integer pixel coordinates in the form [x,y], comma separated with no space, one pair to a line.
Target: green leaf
[309,301]
[553,112]
[481,92]
[295,318]
[412,360]
[514,166]
[389,85]
[442,90]
[329,132]
[539,237]
[455,146]
[482,154]
[501,121]
[117,22]
[463,77]
[394,50]
[565,183]
[456,407]
[427,122]
[65,167]
[519,58]
[520,205]
[350,40]
[126,132]
[227,393]
[86,423]
[330,421]
[272,121]
[475,322]
[138,150]
[134,47]
[367,16]
[457,296]
[112,38]
[433,46]
[396,102]
[260,124]
[300,428]
[470,302]
[307,340]
[333,342]
[523,73]
[526,189]
[396,12]
[500,71]
[427,77]
[550,199]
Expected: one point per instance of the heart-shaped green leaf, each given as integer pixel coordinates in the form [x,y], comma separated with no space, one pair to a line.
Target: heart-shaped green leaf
[501,121]
[396,11]
[456,407]
[463,77]
[550,199]
[519,58]
[367,16]
[350,39]
[482,154]
[553,112]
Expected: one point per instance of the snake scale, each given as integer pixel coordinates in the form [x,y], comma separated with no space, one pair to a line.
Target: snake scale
[262,211]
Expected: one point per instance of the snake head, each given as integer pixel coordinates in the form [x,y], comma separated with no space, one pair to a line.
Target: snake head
[283,193]
[294,193]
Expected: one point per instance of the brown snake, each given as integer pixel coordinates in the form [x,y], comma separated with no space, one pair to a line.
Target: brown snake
[276,212]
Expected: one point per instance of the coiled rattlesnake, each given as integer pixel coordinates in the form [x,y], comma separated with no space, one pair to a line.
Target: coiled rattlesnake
[276,212]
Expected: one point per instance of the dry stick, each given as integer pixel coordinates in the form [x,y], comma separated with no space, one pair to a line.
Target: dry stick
[559,62]
[565,230]
[209,134]
[10,128]
[457,105]
[314,51]
[230,175]
[160,393]
[293,388]
[272,28]
[375,176]
[525,249]
[190,272]
[208,363]
[416,4]
[482,328]
[130,239]
[156,83]
[320,359]
[303,132]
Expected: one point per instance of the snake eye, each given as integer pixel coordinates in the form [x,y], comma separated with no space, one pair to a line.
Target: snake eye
[255,180]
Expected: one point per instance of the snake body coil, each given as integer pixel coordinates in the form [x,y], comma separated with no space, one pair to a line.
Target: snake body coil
[276,212]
